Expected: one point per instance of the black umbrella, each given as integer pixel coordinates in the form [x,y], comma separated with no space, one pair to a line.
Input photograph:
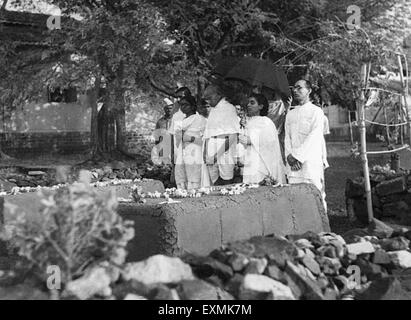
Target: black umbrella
[260,73]
[223,65]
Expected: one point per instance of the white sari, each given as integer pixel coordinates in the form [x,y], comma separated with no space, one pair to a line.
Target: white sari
[189,154]
[263,157]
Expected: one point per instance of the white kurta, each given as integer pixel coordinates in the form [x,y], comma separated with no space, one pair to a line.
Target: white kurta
[263,157]
[304,139]
[222,120]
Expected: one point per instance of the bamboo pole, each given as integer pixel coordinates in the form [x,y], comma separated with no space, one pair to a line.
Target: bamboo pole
[387,129]
[404,147]
[404,84]
[351,133]
[364,159]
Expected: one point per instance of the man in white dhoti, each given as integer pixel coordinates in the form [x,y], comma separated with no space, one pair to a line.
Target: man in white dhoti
[220,137]
[262,155]
[304,140]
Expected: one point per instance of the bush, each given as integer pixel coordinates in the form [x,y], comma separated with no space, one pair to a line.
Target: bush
[76,227]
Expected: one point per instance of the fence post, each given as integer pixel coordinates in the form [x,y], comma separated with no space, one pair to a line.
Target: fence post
[364,159]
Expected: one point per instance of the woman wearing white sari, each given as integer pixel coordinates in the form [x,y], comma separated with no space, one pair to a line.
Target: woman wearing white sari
[189,141]
[260,137]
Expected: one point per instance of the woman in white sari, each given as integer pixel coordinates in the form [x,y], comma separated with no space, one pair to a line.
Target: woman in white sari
[189,141]
[260,138]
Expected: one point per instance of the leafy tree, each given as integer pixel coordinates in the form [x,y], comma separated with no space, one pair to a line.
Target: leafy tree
[116,49]
[106,51]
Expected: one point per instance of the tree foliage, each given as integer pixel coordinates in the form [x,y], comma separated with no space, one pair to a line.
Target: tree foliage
[112,47]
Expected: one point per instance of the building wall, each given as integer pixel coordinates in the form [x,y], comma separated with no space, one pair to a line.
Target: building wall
[340,127]
[64,128]
[48,117]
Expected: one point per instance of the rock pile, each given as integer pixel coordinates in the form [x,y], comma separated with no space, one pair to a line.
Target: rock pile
[391,196]
[370,263]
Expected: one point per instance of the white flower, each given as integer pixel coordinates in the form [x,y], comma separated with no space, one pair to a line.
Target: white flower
[224,191]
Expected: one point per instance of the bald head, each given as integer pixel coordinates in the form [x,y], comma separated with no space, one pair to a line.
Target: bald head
[212,95]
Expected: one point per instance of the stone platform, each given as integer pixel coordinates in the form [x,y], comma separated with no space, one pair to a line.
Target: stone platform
[199,225]
[30,202]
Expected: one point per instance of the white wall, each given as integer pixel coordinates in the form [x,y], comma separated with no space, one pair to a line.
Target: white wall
[49,117]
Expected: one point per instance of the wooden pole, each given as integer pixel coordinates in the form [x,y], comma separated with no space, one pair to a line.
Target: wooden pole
[363,135]
[387,129]
[404,84]
[350,121]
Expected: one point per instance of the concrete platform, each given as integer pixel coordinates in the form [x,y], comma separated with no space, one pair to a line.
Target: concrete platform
[200,225]
[30,202]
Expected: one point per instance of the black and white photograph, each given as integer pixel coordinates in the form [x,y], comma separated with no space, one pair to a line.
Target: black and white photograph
[202,156]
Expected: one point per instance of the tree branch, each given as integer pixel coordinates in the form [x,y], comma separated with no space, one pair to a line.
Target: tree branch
[200,42]
[222,40]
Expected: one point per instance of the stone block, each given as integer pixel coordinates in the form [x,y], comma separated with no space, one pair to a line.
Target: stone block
[360,209]
[200,225]
[354,188]
[395,209]
[393,186]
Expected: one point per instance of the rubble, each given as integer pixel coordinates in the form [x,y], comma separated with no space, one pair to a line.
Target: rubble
[259,287]
[325,266]
[95,282]
[360,248]
[158,269]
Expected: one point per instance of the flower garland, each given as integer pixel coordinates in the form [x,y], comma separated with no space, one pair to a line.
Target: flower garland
[139,196]
[113,182]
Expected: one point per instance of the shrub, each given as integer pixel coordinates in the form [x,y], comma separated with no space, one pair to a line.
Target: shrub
[75,228]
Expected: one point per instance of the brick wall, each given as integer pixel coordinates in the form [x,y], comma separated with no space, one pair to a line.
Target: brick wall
[138,143]
[45,142]
[71,142]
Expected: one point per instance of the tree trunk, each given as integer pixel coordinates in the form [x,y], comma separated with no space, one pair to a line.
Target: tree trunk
[121,129]
[120,108]
[109,124]
[106,129]
[92,100]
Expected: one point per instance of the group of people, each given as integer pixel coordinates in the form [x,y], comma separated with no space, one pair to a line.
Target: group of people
[210,140]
